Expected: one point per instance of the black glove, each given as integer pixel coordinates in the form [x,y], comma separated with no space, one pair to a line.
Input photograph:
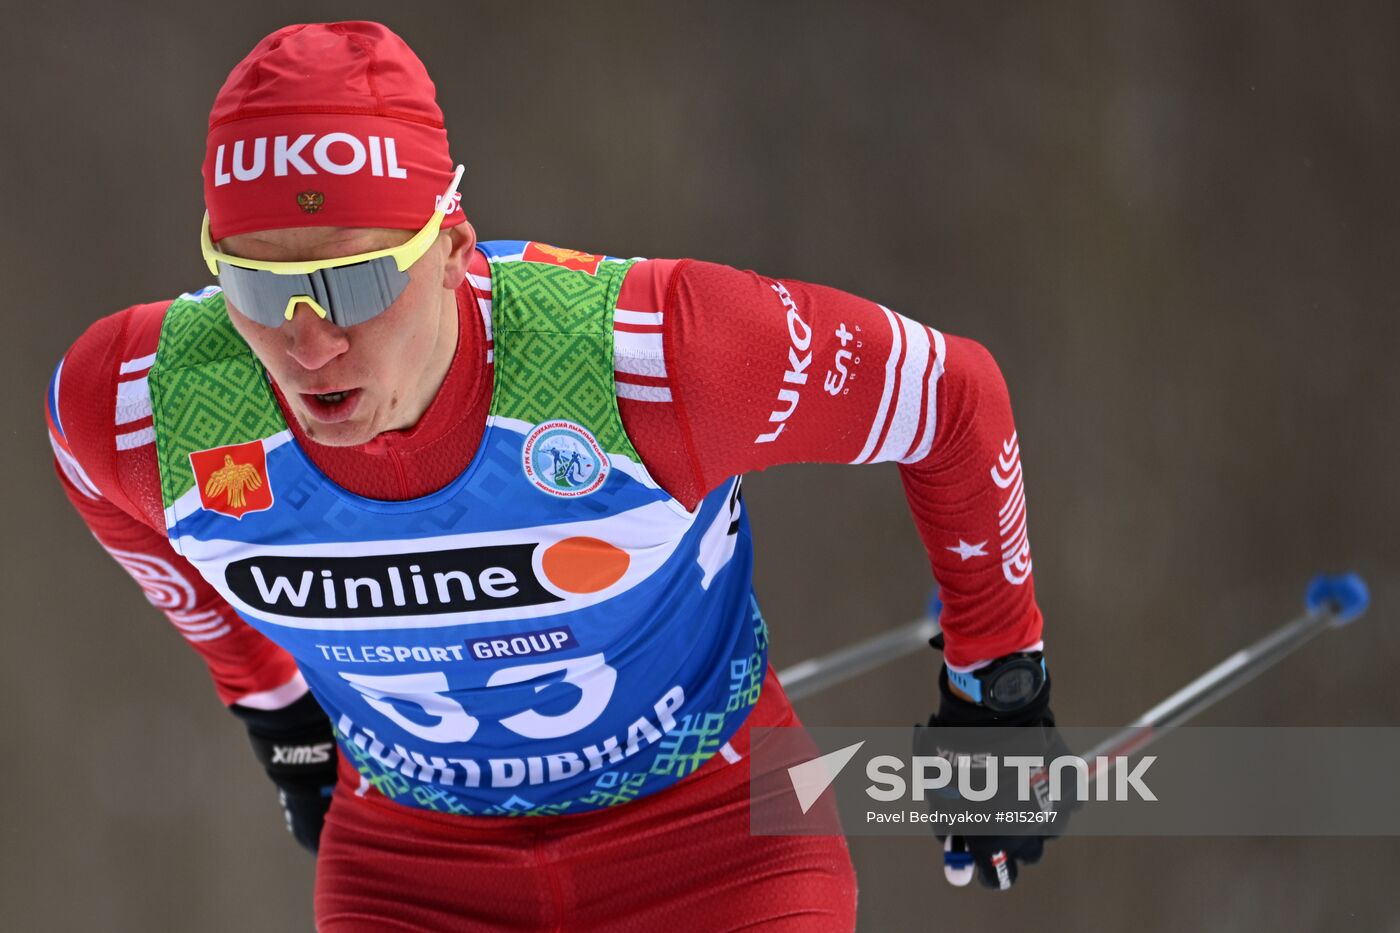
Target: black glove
[296,747]
[997,859]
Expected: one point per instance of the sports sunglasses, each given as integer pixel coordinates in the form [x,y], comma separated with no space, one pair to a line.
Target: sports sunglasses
[348,290]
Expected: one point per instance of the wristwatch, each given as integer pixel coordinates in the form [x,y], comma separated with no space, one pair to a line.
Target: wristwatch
[1007,684]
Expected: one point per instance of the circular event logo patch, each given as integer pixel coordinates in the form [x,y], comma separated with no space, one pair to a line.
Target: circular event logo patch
[564,459]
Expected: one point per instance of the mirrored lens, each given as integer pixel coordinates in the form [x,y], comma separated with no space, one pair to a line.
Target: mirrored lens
[354,294]
[350,294]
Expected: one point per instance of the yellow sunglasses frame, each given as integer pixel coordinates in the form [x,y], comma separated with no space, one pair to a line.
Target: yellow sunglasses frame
[404,255]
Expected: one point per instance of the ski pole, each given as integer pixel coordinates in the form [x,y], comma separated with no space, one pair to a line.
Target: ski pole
[1332,602]
[816,674]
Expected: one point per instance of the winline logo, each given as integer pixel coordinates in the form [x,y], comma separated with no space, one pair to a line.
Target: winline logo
[471,579]
[460,580]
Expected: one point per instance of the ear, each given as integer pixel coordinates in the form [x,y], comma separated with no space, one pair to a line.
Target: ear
[461,240]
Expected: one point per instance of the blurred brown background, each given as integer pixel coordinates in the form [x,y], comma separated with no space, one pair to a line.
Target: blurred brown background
[1175,226]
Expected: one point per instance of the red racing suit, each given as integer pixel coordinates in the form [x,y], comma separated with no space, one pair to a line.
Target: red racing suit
[714,379]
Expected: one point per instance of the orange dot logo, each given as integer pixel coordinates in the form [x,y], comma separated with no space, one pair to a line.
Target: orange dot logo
[584,565]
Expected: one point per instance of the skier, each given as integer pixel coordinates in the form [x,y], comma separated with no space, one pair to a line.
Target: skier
[491,697]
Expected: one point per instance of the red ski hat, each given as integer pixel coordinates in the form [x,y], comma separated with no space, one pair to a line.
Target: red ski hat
[326,125]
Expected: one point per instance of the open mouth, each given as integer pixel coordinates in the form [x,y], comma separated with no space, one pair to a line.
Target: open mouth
[332,406]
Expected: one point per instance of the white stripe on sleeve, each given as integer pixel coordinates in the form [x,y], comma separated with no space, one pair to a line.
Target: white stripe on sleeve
[640,366]
[931,417]
[133,439]
[879,422]
[277,697]
[74,470]
[138,364]
[642,393]
[638,345]
[133,400]
[639,318]
[904,418]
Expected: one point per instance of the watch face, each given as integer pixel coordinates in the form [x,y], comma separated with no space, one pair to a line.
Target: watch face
[1014,685]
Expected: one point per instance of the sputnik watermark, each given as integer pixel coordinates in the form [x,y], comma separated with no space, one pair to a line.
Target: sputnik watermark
[1198,780]
[1035,781]
[953,772]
